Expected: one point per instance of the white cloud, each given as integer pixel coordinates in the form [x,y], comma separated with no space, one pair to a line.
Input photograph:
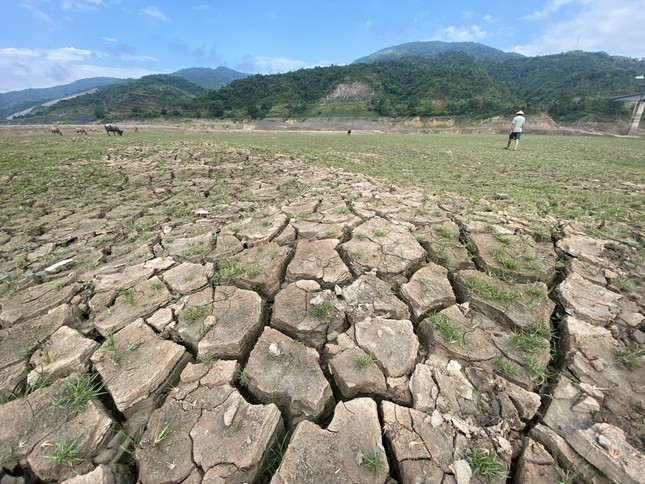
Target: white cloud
[461,34]
[50,67]
[39,14]
[80,5]
[110,39]
[612,26]
[156,13]
[551,7]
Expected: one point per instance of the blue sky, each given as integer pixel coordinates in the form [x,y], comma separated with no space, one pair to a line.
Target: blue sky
[51,42]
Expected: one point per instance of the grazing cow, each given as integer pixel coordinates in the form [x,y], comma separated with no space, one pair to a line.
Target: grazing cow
[110,128]
[349,131]
[81,131]
[93,129]
[55,130]
[136,129]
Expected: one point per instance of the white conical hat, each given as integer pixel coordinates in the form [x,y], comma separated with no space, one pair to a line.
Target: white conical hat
[520,112]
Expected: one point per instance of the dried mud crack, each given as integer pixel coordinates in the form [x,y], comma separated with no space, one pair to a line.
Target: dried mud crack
[221,317]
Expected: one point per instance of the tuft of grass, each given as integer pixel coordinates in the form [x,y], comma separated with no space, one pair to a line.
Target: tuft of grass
[74,395]
[190,315]
[156,285]
[443,233]
[363,362]
[531,342]
[632,359]
[275,456]
[127,295]
[87,289]
[505,261]
[321,311]
[506,367]
[489,291]
[360,236]
[539,374]
[446,329]
[65,452]
[162,432]
[207,359]
[374,461]
[379,232]
[244,379]
[112,349]
[489,466]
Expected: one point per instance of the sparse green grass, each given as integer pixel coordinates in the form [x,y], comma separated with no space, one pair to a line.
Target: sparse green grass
[156,285]
[489,466]
[379,232]
[443,233]
[360,235]
[531,342]
[87,289]
[162,432]
[506,367]
[192,314]
[489,291]
[363,362]
[321,311]
[374,461]
[127,295]
[631,358]
[73,396]
[539,374]
[65,452]
[111,347]
[275,456]
[244,379]
[446,329]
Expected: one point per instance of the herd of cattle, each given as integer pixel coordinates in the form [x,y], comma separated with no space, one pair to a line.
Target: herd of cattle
[109,128]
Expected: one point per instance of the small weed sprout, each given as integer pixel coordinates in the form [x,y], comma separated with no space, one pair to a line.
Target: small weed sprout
[631,359]
[275,455]
[488,291]
[379,232]
[506,366]
[360,236]
[374,461]
[133,346]
[539,374]
[623,284]
[253,271]
[207,359]
[444,233]
[446,329]
[190,315]
[505,261]
[112,349]
[244,379]
[485,464]
[363,362]
[531,342]
[321,311]
[65,453]
[156,285]
[127,295]
[162,432]
[87,289]
[73,396]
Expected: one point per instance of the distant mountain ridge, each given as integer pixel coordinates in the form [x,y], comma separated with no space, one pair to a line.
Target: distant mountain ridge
[16,101]
[433,48]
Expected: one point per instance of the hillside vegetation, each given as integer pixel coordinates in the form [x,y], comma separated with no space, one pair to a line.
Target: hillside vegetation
[572,87]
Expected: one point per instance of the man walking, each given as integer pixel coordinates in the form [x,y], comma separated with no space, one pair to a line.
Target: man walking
[516,129]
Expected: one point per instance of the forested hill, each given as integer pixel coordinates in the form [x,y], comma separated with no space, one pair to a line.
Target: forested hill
[570,87]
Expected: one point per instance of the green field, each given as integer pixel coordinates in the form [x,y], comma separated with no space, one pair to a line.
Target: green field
[588,179]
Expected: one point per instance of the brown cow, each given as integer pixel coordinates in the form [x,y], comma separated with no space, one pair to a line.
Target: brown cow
[110,128]
[55,130]
[81,131]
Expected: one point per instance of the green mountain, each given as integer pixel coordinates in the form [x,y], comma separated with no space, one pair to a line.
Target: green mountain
[151,96]
[15,101]
[434,48]
[572,87]
[210,78]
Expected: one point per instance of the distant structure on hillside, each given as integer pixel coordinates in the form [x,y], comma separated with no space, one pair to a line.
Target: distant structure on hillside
[637,113]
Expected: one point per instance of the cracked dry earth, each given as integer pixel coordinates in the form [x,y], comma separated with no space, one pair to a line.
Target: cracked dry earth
[317,326]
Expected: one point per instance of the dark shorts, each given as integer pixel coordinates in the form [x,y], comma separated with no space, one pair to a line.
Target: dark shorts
[515,135]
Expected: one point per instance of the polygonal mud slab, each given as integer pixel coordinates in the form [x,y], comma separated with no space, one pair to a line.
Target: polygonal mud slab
[318,260]
[134,363]
[259,269]
[34,301]
[424,449]
[66,352]
[588,301]
[205,424]
[283,371]
[307,313]
[227,246]
[459,336]
[349,450]
[355,371]
[378,244]
[192,314]
[516,256]
[34,428]
[428,290]
[189,249]
[441,241]
[369,296]
[536,464]
[312,230]
[188,277]
[379,337]
[131,275]
[262,226]
[237,318]
[140,301]
[525,306]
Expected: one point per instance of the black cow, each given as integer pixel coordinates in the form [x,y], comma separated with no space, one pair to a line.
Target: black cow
[55,130]
[110,128]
